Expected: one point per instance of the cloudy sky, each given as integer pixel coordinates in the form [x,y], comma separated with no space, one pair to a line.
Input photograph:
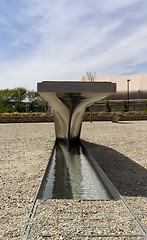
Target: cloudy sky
[62,39]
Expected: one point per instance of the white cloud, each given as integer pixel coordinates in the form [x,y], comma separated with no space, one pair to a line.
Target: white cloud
[63,39]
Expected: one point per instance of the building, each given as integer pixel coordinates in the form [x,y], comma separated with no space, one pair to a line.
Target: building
[134,90]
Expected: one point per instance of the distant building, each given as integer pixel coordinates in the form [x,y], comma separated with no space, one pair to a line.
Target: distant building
[136,88]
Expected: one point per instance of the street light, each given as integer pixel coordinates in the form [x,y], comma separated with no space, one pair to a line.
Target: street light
[128,81]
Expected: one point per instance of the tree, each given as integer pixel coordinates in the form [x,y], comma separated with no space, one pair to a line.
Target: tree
[33,100]
[20,99]
[36,102]
[6,95]
[90,78]
[18,96]
[124,106]
[107,107]
[6,100]
[2,102]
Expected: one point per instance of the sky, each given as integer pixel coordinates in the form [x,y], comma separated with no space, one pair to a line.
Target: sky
[64,39]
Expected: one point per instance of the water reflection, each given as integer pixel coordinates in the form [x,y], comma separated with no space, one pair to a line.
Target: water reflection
[71,176]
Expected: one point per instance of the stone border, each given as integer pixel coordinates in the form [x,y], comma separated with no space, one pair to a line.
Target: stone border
[47,117]
[123,116]
[25,117]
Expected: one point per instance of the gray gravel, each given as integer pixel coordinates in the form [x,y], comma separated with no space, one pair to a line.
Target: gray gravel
[24,153]
[120,149]
[70,219]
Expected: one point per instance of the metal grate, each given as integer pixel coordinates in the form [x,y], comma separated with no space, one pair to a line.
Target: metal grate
[82,219]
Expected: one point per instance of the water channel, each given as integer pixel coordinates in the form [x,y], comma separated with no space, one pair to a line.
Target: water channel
[70,175]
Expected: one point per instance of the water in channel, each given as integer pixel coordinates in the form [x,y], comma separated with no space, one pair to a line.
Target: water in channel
[71,176]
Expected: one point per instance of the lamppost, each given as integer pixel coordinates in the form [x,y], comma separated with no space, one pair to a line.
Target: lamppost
[128,81]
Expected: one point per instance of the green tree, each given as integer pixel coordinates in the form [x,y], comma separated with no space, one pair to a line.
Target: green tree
[2,102]
[18,96]
[6,95]
[19,99]
[34,99]
[6,104]
[107,107]
[37,104]
[124,106]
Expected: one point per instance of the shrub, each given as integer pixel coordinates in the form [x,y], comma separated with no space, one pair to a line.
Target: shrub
[124,106]
[24,114]
[107,107]
[33,114]
[43,114]
[145,107]
[5,114]
[15,114]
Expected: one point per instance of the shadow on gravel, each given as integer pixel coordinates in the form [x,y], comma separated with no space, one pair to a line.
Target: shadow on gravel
[127,176]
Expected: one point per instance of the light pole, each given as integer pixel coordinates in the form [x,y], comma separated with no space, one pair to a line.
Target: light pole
[128,81]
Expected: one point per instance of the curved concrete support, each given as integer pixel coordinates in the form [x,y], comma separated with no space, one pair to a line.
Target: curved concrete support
[69,101]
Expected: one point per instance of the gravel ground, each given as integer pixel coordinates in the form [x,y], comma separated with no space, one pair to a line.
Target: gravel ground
[119,148]
[75,219]
[121,151]
[24,153]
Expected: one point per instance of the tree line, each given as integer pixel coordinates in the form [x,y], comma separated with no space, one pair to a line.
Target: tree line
[21,100]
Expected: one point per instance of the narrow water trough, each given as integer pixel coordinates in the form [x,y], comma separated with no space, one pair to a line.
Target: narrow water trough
[75,174]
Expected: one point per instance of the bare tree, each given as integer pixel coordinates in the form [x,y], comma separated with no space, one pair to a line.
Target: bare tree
[90,77]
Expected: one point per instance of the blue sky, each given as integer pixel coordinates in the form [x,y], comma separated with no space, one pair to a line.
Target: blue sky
[63,39]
